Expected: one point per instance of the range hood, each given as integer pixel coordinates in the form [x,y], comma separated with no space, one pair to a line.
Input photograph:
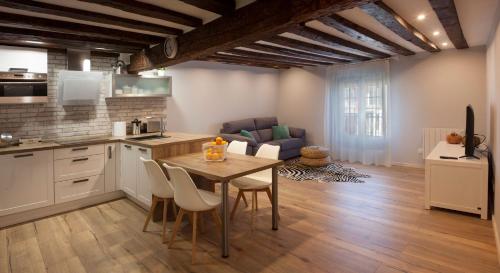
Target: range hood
[78,60]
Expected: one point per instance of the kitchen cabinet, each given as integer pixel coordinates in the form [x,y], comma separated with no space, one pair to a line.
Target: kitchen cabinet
[133,180]
[26,181]
[78,188]
[110,167]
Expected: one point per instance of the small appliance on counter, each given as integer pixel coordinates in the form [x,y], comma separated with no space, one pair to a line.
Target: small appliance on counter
[119,128]
[136,127]
[151,125]
[6,140]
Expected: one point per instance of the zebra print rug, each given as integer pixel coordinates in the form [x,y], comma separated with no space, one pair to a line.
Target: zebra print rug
[333,172]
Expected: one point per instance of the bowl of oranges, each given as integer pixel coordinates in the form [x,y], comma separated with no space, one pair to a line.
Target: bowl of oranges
[215,150]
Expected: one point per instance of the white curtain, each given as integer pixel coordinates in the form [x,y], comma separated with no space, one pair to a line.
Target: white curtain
[357,125]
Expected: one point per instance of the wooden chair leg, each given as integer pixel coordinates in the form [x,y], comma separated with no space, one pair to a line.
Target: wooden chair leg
[177,224]
[195,220]
[254,200]
[216,217]
[244,199]
[174,207]
[165,210]
[269,194]
[154,202]
[236,203]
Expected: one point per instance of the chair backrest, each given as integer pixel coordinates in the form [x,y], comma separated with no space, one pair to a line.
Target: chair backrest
[186,194]
[160,186]
[237,147]
[268,151]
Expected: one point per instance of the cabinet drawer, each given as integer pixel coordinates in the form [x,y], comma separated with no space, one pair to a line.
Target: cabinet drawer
[79,188]
[73,168]
[78,151]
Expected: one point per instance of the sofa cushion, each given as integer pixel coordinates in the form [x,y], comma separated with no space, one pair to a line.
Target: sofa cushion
[288,144]
[265,123]
[281,132]
[236,126]
[265,135]
[246,133]
[256,136]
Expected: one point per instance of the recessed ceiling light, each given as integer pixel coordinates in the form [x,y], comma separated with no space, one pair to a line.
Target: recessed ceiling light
[421,17]
[101,48]
[444,44]
[436,33]
[34,42]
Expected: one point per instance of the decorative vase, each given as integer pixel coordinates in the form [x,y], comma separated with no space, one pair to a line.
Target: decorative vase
[454,138]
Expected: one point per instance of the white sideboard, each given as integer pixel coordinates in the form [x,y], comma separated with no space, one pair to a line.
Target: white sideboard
[460,185]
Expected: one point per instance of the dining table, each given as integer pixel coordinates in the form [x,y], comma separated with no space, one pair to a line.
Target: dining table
[234,166]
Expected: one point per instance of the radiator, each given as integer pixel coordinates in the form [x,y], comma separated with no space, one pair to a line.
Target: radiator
[432,136]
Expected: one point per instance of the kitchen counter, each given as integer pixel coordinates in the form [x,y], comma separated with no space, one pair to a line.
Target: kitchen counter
[173,138]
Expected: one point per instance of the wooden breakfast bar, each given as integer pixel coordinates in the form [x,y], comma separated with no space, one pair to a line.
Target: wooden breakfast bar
[233,167]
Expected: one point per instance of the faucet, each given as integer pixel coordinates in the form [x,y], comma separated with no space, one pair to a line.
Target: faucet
[162,126]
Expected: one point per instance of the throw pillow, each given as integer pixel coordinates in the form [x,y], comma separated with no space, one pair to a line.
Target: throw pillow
[246,133]
[281,132]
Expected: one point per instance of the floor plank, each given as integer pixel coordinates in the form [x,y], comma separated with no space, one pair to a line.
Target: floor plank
[376,227]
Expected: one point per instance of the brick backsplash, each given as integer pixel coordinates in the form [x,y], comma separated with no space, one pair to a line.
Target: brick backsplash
[52,121]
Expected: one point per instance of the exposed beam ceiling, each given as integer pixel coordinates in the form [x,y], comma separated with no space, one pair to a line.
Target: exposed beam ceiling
[362,34]
[390,19]
[447,14]
[222,7]
[256,21]
[150,11]
[84,15]
[17,36]
[249,59]
[244,62]
[315,49]
[272,57]
[36,23]
[330,40]
[293,53]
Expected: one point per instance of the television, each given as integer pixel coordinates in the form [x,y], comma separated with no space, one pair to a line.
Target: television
[469,133]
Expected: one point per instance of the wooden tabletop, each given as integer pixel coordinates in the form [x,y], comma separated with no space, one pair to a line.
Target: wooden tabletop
[234,166]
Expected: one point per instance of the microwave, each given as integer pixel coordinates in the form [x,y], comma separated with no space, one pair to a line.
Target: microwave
[23,87]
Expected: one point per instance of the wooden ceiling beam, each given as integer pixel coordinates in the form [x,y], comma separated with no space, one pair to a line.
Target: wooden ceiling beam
[45,39]
[246,63]
[253,22]
[222,7]
[447,14]
[45,8]
[330,40]
[150,10]
[397,24]
[247,59]
[273,57]
[42,24]
[362,34]
[293,53]
[315,49]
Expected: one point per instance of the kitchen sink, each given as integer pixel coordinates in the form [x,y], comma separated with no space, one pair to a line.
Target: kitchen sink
[148,138]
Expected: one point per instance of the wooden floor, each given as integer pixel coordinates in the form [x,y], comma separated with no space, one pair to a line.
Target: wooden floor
[378,226]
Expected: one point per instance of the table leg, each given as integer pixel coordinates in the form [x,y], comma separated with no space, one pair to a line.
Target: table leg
[225,220]
[275,198]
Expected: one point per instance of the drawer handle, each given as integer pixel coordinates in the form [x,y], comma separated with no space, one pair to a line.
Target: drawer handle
[23,155]
[128,146]
[80,149]
[109,152]
[80,181]
[143,150]
[80,159]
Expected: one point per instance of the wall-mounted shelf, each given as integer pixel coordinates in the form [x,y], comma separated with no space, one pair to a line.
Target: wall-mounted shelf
[140,86]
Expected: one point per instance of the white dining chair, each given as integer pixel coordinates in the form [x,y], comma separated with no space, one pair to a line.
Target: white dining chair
[256,182]
[191,200]
[161,190]
[237,147]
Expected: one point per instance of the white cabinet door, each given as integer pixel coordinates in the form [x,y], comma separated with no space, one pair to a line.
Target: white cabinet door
[128,169]
[110,167]
[79,188]
[26,181]
[143,185]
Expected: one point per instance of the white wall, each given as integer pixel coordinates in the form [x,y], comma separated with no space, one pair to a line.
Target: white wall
[207,94]
[426,91]
[493,102]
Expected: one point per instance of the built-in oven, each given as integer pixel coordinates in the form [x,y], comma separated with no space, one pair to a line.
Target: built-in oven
[23,87]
